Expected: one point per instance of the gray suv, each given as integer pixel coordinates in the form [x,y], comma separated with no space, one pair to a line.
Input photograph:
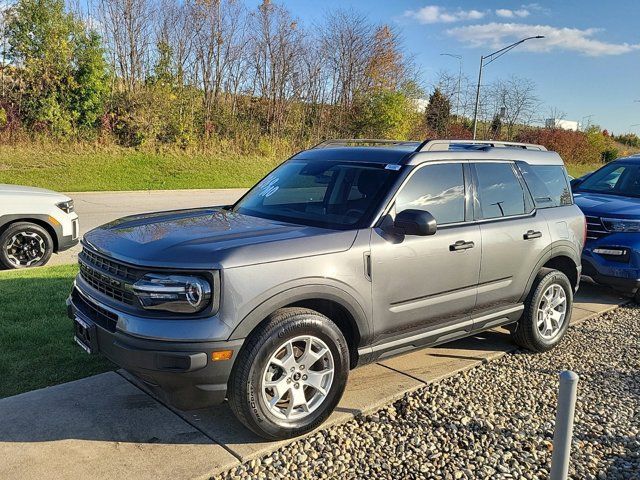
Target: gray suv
[349,252]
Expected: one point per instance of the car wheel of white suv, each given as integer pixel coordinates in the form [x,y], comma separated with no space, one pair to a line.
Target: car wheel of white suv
[24,245]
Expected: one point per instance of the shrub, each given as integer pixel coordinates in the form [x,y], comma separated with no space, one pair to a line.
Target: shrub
[573,147]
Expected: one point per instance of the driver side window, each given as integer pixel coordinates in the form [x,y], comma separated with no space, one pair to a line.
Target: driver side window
[438,189]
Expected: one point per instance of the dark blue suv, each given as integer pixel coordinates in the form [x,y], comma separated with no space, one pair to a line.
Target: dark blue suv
[610,200]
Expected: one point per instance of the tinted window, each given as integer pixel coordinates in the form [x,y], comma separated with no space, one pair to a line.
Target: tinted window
[438,189]
[548,184]
[499,191]
[329,194]
[615,178]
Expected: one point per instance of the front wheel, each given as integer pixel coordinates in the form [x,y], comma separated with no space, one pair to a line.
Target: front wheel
[290,374]
[24,245]
[547,312]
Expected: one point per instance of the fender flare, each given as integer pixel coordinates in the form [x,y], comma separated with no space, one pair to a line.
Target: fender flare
[301,293]
[561,248]
[38,219]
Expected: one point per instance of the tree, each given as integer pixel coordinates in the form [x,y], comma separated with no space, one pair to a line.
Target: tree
[438,113]
[347,42]
[127,25]
[90,74]
[517,97]
[385,69]
[276,53]
[59,65]
[386,114]
[496,126]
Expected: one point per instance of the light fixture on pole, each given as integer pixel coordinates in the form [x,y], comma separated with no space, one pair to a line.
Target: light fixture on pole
[492,57]
[459,57]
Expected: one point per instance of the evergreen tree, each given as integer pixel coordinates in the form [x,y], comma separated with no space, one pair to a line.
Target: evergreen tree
[438,113]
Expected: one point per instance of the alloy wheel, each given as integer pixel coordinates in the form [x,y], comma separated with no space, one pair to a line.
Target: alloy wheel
[552,311]
[25,249]
[297,377]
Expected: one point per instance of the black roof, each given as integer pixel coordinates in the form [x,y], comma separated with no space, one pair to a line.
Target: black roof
[388,155]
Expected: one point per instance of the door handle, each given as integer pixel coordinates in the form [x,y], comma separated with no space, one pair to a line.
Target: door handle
[531,234]
[461,245]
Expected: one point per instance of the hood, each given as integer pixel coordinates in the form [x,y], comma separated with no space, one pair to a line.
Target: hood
[602,205]
[211,238]
[24,190]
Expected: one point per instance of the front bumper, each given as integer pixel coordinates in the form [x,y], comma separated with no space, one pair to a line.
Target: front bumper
[65,243]
[67,227]
[181,373]
[621,273]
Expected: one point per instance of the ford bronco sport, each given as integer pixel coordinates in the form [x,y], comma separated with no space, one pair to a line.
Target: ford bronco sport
[346,253]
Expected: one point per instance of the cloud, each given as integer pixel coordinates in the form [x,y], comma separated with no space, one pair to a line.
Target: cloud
[507,13]
[496,35]
[436,14]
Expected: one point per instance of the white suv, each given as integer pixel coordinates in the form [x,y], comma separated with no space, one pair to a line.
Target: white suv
[34,223]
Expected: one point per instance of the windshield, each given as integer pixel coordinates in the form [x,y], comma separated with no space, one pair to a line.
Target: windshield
[614,179]
[329,194]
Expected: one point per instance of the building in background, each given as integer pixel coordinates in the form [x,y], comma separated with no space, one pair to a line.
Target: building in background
[563,124]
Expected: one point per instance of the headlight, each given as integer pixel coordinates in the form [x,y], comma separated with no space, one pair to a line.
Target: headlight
[173,293]
[66,207]
[621,225]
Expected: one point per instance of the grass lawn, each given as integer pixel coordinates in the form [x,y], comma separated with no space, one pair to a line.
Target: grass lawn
[92,168]
[36,343]
[85,168]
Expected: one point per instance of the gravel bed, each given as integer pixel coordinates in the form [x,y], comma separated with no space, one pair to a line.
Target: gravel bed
[493,421]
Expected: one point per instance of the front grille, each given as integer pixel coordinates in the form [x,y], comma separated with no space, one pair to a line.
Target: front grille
[595,228]
[109,277]
[109,266]
[96,313]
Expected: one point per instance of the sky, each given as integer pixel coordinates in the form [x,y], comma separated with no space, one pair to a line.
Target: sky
[588,66]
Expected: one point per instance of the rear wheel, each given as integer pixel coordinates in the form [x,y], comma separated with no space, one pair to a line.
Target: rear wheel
[24,245]
[547,312]
[290,374]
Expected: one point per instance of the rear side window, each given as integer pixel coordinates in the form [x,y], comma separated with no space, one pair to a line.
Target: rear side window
[438,189]
[548,184]
[500,193]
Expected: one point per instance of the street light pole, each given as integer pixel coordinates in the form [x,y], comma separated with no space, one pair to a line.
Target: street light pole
[585,126]
[491,57]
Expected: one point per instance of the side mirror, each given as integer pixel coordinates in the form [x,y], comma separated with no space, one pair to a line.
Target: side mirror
[415,222]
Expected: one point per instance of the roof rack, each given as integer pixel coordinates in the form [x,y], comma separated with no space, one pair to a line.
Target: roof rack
[360,141]
[445,145]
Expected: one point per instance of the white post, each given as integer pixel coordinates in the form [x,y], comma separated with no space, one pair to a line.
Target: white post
[564,425]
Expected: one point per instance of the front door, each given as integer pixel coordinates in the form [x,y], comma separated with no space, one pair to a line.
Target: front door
[426,282]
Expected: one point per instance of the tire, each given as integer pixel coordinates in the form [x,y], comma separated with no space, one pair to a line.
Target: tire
[38,242]
[256,365]
[539,335]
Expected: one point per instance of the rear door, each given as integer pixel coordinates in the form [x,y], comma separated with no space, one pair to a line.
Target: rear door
[514,236]
[422,283]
